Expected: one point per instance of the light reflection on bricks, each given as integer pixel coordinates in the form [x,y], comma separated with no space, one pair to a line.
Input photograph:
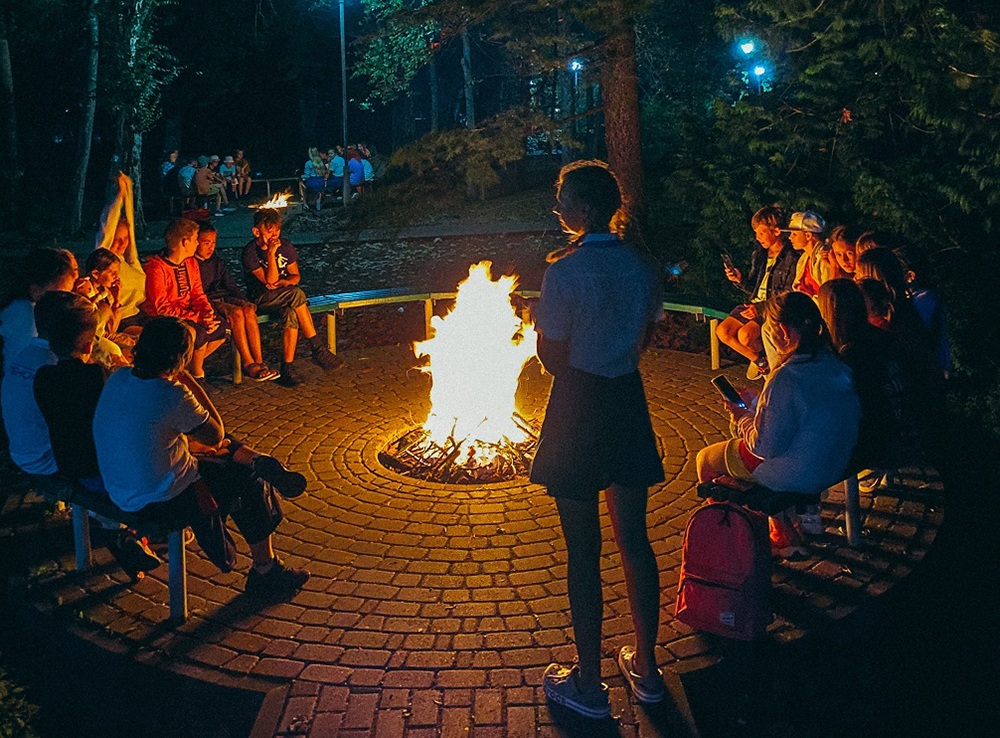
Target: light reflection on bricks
[434,608]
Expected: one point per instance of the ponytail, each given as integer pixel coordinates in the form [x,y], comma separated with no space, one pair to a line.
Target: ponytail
[798,312]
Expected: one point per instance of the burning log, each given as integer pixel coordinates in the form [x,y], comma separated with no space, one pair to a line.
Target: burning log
[416,455]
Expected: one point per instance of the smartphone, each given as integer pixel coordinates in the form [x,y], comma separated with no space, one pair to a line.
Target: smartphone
[727,260]
[728,392]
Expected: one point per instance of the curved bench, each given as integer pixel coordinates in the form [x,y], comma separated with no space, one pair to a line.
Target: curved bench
[328,305]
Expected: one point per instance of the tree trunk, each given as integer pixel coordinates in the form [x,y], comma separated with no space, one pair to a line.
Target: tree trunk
[620,90]
[432,76]
[86,125]
[470,89]
[10,167]
[135,172]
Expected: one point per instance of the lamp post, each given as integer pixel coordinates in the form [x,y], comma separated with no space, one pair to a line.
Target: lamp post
[343,102]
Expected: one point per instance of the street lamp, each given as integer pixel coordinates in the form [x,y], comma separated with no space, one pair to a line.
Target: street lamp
[759,71]
[343,102]
[747,47]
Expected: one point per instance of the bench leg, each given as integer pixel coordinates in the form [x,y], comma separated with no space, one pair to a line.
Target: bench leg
[428,314]
[331,331]
[852,511]
[713,325]
[237,364]
[177,562]
[81,538]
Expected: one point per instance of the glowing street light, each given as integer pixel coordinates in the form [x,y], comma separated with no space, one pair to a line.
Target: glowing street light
[576,65]
[747,47]
[759,71]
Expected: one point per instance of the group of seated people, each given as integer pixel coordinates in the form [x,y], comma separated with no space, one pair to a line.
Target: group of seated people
[323,173]
[104,387]
[854,355]
[220,180]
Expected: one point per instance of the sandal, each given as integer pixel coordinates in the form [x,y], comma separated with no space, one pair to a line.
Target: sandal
[261,372]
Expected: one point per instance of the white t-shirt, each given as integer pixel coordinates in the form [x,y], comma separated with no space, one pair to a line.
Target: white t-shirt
[17,326]
[600,299]
[139,431]
[30,447]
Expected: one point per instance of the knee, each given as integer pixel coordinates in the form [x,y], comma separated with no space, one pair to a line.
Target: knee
[299,298]
[702,465]
[726,330]
[746,335]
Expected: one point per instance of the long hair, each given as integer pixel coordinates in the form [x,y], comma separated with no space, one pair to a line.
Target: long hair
[798,312]
[843,307]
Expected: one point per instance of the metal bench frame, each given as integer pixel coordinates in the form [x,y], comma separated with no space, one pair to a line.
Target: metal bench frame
[329,305]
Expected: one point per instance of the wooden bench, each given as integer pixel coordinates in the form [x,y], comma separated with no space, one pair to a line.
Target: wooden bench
[328,305]
[179,203]
[770,502]
[84,501]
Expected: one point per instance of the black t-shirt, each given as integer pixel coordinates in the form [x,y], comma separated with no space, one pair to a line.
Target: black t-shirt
[255,257]
[67,394]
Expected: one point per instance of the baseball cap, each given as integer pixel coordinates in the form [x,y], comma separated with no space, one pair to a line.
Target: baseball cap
[806,221]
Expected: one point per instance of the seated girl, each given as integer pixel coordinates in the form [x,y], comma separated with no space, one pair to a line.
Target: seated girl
[799,434]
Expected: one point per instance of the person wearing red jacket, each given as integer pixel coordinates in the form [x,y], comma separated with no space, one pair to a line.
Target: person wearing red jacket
[173,287]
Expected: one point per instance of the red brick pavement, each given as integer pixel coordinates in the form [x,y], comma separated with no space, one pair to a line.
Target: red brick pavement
[433,610]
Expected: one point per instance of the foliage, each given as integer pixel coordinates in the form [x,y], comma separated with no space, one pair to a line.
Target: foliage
[471,157]
[135,67]
[16,713]
[395,49]
[879,115]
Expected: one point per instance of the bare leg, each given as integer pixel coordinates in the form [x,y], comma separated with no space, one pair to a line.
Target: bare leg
[249,313]
[581,527]
[239,329]
[212,346]
[198,362]
[642,578]
[728,332]
[305,321]
[711,462]
[749,336]
[288,339]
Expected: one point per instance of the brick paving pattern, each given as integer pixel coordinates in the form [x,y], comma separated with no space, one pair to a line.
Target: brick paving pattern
[434,609]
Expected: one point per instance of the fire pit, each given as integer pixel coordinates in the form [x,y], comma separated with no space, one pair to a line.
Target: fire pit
[475,356]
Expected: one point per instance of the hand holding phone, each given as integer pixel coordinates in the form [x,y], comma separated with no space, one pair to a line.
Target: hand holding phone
[728,392]
[732,273]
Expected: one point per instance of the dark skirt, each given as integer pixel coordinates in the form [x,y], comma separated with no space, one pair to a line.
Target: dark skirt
[596,433]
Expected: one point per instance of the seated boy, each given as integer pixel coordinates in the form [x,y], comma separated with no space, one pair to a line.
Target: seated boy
[28,434]
[772,271]
[229,301]
[812,269]
[67,395]
[147,422]
[173,287]
[271,270]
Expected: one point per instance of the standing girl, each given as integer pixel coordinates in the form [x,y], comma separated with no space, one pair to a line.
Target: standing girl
[594,318]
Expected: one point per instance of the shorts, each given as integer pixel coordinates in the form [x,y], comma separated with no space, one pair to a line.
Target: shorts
[740,463]
[596,433]
[315,184]
[202,335]
[226,306]
[282,302]
[736,312]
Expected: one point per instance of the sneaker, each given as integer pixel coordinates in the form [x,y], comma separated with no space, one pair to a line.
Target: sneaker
[288,483]
[648,691]
[810,522]
[287,377]
[873,481]
[785,541]
[559,685]
[133,554]
[279,583]
[327,359]
[758,368]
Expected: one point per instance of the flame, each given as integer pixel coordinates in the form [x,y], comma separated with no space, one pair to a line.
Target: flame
[277,201]
[476,354]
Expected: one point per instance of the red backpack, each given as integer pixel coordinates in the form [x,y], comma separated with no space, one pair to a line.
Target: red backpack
[725,583]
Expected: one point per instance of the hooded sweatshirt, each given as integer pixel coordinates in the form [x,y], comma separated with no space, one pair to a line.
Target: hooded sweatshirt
[133,278]
[806,425]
